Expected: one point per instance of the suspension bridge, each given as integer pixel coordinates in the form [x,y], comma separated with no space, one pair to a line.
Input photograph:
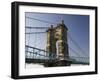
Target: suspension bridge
[49,58]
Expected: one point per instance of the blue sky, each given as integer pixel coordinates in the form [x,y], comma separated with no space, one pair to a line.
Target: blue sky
[78,28]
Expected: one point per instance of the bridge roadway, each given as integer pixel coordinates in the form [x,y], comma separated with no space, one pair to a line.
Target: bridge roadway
[35,55]
[50,62]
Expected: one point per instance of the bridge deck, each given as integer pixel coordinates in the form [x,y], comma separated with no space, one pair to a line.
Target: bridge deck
[28,60]
[35,55]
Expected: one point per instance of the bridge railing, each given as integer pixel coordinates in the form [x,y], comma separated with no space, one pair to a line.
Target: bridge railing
[35,53]
[79,59]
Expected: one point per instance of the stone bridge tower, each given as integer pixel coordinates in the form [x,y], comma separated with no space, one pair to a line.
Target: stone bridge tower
[57,45]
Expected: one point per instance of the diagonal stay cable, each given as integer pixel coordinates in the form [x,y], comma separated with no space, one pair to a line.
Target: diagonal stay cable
[41,20]
[30,27]
[36,33]
[75,43]
[79,57]
[74,51]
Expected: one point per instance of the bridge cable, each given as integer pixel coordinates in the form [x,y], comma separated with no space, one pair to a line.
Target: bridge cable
[30,27]
[74,51]
[75,43]
[35,33]
[44,21]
